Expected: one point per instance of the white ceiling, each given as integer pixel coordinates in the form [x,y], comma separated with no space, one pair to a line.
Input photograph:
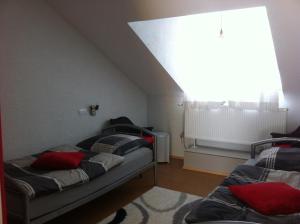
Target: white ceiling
[104,22]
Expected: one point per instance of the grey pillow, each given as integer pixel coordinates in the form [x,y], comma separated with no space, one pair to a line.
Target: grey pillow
[119,144]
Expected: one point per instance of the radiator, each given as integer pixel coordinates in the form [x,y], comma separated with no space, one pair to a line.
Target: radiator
[230,125]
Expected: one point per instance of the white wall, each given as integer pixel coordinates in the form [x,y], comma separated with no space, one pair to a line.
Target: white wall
[48,72]
[166,114]
[104,22]
[284,17]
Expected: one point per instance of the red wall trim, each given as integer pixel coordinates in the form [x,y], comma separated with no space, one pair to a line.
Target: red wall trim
[3,194]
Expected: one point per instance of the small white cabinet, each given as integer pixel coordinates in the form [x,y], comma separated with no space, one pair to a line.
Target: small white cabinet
[163,146]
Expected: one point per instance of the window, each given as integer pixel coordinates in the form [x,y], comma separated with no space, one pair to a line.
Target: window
[220,56]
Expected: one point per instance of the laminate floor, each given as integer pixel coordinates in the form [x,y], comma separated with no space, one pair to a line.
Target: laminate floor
[170,176]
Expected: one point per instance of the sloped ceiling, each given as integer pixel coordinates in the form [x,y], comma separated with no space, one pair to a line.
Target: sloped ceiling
[104,22]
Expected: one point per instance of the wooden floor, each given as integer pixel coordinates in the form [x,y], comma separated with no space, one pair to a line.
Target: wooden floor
[170,176]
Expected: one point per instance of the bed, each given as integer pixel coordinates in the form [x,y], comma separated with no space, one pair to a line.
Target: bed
[22,208]
[268,165]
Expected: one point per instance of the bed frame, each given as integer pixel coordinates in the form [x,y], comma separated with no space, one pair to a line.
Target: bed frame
[141,131]
[255,146]
[21,204]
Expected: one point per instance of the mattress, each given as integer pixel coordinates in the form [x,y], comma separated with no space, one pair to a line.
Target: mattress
[133,161]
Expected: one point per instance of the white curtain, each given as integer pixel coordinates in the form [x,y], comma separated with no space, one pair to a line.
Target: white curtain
[266,102]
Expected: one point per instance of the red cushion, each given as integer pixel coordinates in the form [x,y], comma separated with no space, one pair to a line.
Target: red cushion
[149,139]
[271,198]
[58,160]
[283,145]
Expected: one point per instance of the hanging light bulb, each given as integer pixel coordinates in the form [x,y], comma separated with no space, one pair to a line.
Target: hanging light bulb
[221,33]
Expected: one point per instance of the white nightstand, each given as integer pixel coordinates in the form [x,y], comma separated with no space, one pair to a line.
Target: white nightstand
[163,146]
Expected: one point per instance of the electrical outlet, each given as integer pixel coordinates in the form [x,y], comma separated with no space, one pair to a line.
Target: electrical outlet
[83,112]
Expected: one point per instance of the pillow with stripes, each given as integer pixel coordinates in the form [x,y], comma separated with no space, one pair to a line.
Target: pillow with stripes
[280,159]
[119,144]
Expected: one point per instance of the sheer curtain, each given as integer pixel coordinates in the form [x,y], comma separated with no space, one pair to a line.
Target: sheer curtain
[266,102]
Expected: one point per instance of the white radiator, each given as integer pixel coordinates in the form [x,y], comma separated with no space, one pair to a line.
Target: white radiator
[233,125]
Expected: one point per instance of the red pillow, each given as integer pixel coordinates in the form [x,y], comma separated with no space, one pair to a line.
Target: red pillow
[283,145]
[149,139]
[273,198]
[58,160]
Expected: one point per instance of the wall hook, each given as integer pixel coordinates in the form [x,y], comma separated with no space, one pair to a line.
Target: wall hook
[93,109]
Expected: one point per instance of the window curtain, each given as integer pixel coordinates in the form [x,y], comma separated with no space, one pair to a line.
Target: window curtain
[268,101]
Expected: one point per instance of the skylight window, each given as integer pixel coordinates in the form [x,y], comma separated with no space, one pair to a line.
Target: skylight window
[218,56]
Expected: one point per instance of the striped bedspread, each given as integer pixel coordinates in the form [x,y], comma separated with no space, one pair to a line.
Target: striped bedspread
[222,205]
[36,183]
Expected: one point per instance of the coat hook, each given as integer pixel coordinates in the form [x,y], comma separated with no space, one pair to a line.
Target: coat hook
[93,109]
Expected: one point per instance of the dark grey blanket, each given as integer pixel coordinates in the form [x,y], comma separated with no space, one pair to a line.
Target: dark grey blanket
[35,183]
[222,205]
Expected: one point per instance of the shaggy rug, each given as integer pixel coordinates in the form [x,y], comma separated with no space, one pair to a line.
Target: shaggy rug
[158,205]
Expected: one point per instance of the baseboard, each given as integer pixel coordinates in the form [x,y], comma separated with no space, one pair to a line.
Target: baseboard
[177,157]
[206,171]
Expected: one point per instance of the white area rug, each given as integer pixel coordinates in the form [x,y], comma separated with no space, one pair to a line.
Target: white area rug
[158,205]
